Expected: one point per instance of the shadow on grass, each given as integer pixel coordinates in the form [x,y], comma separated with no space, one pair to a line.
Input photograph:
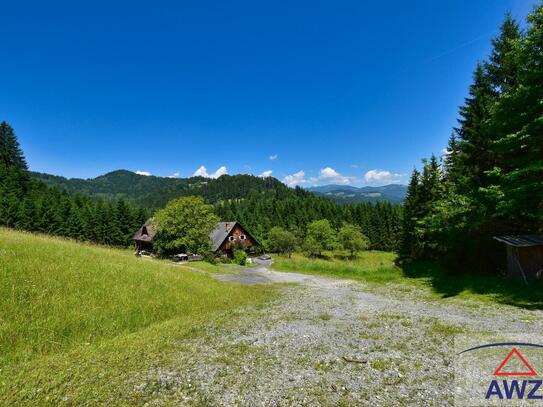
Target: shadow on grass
[503,290]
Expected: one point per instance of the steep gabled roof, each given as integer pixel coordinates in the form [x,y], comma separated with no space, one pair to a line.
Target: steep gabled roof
[219,234]
[146,233]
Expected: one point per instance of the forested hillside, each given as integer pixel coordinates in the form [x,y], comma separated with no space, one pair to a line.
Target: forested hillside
[491,179]
[294,209]
[29,204]
[110,208]
[154,192]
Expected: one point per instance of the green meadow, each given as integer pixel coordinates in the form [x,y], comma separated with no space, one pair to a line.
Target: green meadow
[78,321]
[377,271]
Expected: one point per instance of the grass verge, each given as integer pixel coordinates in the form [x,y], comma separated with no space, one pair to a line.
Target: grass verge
[377,270]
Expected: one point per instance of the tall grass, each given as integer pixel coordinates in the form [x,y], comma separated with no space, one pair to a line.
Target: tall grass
[56,294]
[370,266]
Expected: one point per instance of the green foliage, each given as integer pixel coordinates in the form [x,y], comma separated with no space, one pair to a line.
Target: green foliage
[11,155]
[491,181]
[378,272]
[295,209]
[184,225]
[29,205]
[155,192]
[281,240]
[258,203]
[319,236]
[352,239]
[240,257]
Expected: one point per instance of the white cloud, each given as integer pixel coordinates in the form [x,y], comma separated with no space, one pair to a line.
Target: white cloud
[146,173]
[353,165]
[274,157]
[445,151]
[382,177]
[295,179]
[266,174]
[328,174]
[174,175]
[221,171]
[202,172]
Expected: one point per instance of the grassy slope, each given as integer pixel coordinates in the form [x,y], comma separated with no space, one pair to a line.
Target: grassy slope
[78,321]
[377,270]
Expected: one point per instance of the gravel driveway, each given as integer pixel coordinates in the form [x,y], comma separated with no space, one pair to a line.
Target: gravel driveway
[328,342]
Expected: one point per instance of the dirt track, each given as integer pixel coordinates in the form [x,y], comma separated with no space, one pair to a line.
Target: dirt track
[328,342]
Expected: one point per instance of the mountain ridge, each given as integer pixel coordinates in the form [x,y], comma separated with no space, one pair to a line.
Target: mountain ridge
[155,191]
[394,193]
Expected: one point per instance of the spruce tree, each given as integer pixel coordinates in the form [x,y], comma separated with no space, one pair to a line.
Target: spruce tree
[519,127]
[11,154]
[474,154]
[503,66]
[411,210]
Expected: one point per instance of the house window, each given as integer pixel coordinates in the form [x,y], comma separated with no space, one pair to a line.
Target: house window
[242,237]
[231,238]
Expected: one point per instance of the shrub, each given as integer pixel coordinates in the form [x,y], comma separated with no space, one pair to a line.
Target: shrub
[240,257]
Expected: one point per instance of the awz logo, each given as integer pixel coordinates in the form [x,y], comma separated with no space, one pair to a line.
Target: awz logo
[528,389]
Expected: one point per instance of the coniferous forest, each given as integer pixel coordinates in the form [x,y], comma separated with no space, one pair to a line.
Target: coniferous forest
[490,181]
[109,209]
[28,204]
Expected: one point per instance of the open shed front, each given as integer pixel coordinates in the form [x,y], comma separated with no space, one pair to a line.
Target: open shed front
[524,256]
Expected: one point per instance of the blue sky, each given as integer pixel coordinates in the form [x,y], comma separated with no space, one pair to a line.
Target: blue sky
[312,92]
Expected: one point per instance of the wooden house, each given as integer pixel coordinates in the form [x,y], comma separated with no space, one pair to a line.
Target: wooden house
[228,235]
[144,237]
[224,238]
[524,256]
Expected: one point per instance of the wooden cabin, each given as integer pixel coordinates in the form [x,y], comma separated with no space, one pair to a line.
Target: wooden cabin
[524,256]
[144,237]
[228,235]
[224,238]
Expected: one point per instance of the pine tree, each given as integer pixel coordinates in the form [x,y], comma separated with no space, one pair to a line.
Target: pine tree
[519,127]
[474,155]
[411,213]
[11,154]
[503,66]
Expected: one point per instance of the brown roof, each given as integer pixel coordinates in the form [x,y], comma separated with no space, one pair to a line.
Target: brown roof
[146,233]
[218,235]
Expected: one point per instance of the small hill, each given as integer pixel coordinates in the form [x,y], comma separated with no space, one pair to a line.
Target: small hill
[394,193]
[154,192]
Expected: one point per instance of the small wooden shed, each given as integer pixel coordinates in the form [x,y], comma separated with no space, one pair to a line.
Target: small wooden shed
[524,256]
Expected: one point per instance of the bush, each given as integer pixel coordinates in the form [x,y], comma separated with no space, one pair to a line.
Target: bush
[240,257]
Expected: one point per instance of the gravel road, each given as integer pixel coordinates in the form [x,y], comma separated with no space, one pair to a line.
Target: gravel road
[328,342]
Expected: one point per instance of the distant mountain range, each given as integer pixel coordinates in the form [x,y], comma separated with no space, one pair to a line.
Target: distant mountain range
[154,192]
[394,193]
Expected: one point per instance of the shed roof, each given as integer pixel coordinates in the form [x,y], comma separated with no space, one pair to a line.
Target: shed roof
[521,240]
[220,233]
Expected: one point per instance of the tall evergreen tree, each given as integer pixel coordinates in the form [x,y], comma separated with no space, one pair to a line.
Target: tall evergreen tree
[11,154]
[411,214]
[503,66]
[519,127]
[474,154]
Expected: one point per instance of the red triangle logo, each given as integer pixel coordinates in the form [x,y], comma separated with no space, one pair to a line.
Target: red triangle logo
[514,351]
